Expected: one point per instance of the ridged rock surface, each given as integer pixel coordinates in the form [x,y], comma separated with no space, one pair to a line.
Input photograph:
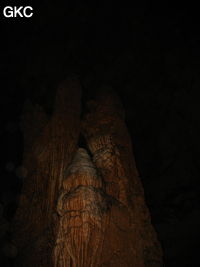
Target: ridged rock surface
[130,239]
[82,207]
[50,144]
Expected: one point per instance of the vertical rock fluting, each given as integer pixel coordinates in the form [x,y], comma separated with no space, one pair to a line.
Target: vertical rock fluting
[78,210]
[50,144]
[129,238]
[82,206]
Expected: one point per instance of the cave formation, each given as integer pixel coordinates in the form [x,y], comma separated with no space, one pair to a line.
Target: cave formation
[82,203]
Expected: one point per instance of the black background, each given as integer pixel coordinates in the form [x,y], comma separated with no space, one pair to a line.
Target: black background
[150,55]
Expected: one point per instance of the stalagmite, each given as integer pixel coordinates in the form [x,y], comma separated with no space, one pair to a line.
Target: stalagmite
[49,146]
[130,239]
[82,207]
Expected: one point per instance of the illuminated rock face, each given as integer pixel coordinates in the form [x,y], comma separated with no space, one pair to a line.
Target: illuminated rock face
[93,205]
[83,208]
